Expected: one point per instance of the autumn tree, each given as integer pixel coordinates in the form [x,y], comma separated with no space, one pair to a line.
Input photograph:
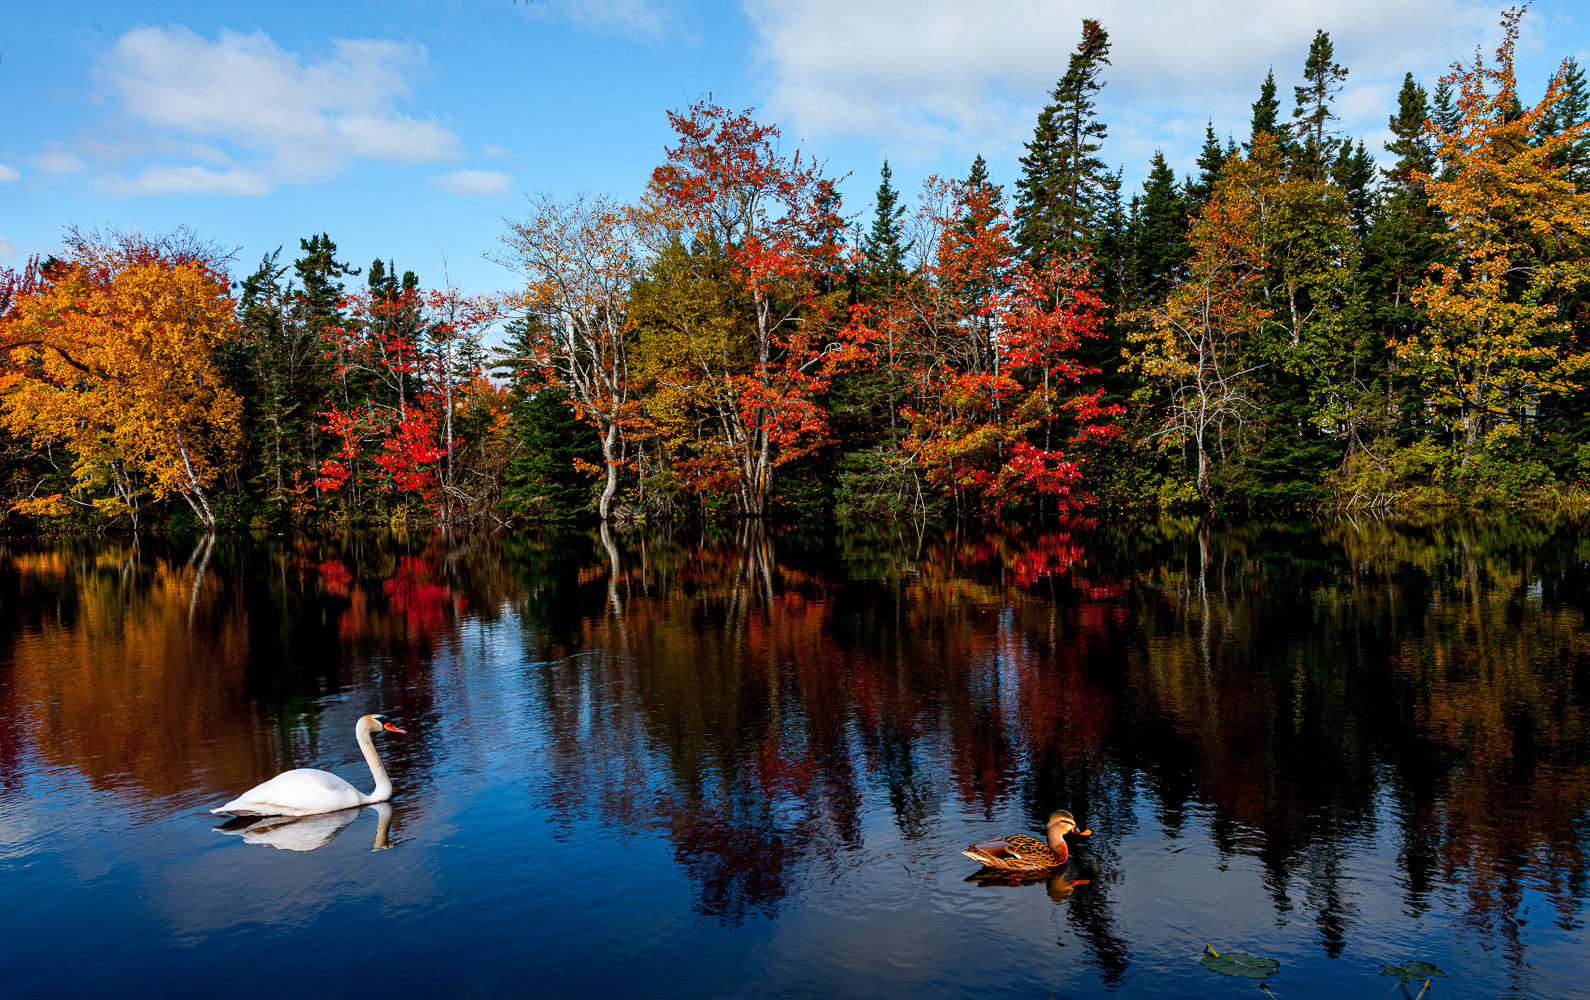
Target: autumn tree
[113,360]
[580,258]
[1192,349]
[729,208]
[989,356]
[1497,345]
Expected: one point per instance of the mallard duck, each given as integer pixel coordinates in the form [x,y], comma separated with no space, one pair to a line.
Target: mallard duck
[1019,852]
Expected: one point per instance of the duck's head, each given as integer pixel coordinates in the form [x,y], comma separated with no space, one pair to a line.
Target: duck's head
[374,723]
[1062,822]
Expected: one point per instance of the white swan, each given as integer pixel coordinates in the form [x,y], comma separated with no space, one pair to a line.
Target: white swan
[306,791]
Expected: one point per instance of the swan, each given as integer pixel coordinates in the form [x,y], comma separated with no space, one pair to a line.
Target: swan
[306,791]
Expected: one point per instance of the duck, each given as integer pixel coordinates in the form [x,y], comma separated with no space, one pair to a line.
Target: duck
[1020,853]
[308,791]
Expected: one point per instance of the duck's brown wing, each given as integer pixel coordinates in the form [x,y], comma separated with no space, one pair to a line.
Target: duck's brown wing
[1015,851]
[1031,849]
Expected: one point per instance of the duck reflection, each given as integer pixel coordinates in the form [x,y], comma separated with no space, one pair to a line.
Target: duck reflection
[1054,880]
[307,833]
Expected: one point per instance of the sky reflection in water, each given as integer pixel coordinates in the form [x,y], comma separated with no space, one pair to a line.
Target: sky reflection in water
[744,763]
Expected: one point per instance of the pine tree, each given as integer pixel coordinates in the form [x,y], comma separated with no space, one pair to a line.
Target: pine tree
[319,275]
[1266,114]
[1210,160]
[1410,143]
[1160,236]
[1572,108]
[883,248]
[1444,115]
[1354,173]
[1313,113]
[1064,183]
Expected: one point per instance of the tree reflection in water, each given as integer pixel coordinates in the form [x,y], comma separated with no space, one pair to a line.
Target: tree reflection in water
[744,693]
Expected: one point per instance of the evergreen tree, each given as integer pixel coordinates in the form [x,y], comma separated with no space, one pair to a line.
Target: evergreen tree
[1266,113]
[1210,160]
[1573,107]
[1410,142]
[540,482]
[1160,233]
[319,276]
[884,248]
[1354,173]
[1064,183]
[1113,255]
[1313,113]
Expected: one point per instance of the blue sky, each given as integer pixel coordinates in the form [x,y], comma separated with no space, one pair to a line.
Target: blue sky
[408,129]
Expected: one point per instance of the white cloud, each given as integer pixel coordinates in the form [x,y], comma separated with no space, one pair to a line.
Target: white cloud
[57,163]
[491,150]
[191,180]
[9,174]
[284,119]
[922,76]
[15,253]
[476,183]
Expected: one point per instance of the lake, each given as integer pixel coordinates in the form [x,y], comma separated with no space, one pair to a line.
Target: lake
[744,761]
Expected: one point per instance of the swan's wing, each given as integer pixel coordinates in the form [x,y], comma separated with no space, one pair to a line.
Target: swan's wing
[300,792]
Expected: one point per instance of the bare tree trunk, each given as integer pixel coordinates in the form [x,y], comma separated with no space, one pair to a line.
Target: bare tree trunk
[610,458]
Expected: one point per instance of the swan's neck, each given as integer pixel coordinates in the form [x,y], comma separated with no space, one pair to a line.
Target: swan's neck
[383,784]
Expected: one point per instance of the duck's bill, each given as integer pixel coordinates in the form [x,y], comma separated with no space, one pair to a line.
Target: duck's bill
[1084,833]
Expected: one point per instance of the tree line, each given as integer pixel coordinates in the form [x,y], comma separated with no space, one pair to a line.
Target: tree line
[1296,325]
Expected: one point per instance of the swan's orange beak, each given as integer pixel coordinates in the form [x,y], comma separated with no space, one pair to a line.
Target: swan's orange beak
[391,728]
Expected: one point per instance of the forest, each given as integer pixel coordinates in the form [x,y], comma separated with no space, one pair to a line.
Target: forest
[1303,324]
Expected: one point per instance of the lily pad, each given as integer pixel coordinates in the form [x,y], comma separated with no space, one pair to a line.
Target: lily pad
[1235,963]
[1410,972]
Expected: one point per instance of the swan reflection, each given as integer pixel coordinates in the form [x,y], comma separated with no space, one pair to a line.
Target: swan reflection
[307,833]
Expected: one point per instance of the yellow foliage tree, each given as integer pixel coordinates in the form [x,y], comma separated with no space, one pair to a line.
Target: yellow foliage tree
[1193,349]
[1516,240]
[117,366]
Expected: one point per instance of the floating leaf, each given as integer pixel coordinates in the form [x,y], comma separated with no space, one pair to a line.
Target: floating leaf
[1235,963]
[1410,972]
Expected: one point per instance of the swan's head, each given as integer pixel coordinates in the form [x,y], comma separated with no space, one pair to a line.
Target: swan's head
[378,722]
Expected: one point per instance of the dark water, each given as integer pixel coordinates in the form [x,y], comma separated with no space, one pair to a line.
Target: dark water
[745,764]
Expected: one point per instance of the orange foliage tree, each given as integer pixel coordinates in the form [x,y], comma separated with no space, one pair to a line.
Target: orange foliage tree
[728,208]
[987,348]
[1516,242]
[113,359]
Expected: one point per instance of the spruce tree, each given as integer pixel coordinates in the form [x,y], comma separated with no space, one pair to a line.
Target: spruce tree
[1410,142]
[1160,234]
[1354,173]
[1573,108]
[319,276]
[1266,113]
[1064,183]
[1313,113]
[1210,161]
[883,248]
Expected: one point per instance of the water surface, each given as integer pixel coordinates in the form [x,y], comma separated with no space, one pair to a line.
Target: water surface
[743,763]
